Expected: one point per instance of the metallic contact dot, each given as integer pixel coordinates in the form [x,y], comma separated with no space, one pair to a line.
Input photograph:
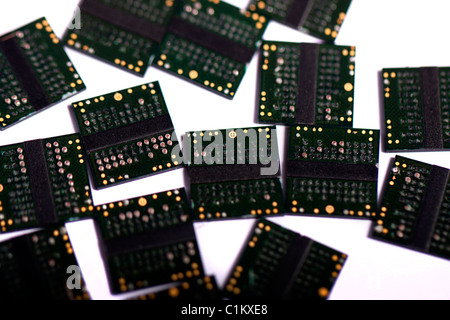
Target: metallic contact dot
[193,74]
[330,209]
[118,96]
[323,293]
[348,87]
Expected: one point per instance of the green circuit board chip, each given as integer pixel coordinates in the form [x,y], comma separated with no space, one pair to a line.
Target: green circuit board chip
[201,289]
[35,72]
[123,33]
[149,241]
[128,135]
[332,172]
[43,182]
[417,109]
[277,263]
[210,43]
[234,173]
[306,83]
[40,266]
[320,18]
[415,211]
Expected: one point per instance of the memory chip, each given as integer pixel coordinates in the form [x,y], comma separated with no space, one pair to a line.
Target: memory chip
[40,266]
[149,241]
[43,182]
[417,108]
[35,72]
[234,173]
[202,289]
[332,172]
[128,135]
[210,43]
[277,263]
[123,33]
[306,83]
[320,18]
[415,211]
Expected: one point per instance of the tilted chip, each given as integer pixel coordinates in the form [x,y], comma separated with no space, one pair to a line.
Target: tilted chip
[234,173]
[35,72]
[277,263]
[210,43]
[40,266]
[43,182]
[417,109]
[149,241]
[128,135]
[123,33]
[320,18]
[306,83]
[415,211]
[332,172]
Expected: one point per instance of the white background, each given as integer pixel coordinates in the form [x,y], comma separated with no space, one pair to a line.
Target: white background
[387,33]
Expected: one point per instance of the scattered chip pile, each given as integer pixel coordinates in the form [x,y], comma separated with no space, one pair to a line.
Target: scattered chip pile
[417,109]
[43,182]
[279,264]
[210,43]
[331,168]
[123,33]
[305,83]
[35,72]
[320,18]
[128,135]
[332,172]
[415,211]
[234,173]
[149,241]
[34,267]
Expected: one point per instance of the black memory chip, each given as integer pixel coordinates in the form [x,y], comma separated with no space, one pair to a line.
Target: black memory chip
[210,44]
[201,289]
[276,263]
[306,83]
[415,211]
[234,173]
[123,33]
[40,266]
[417,109]
[332,172]
[35,72]
[320,18]
[43,182]
[149,241]
[128,135]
